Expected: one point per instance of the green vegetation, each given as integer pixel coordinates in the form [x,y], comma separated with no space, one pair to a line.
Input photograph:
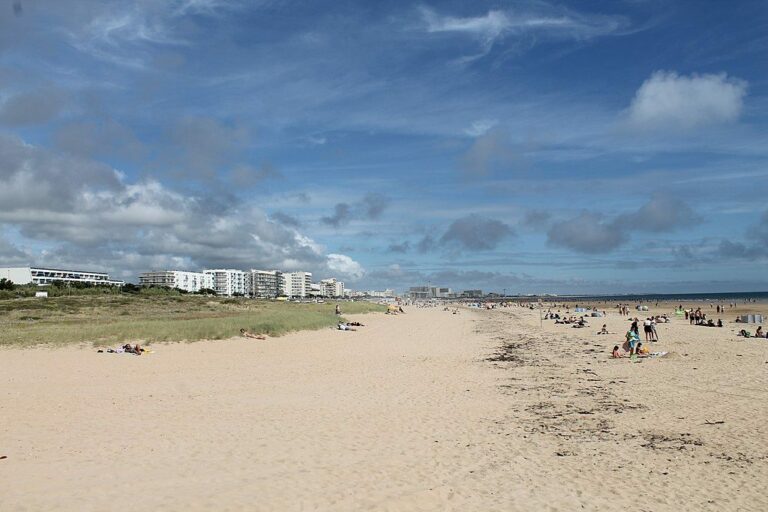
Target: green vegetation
[103,317]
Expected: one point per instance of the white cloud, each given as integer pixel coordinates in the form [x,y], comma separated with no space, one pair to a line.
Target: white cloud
[480,127]
[669,100]
[534,20]
[104,221]
[345,266]
[488,27]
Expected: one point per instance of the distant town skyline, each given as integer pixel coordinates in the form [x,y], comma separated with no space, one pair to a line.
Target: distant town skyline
[534,146]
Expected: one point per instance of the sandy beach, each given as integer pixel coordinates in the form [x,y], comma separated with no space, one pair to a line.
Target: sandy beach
[482,410]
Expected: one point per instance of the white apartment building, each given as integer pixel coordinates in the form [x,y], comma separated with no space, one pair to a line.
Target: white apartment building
[187,281]
[379,294]
[314,290]
[297,284]
[45,276]
[265,284]
[227,282]
[331,288]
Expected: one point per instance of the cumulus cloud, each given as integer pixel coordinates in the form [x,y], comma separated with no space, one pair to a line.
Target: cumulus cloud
[345,266]
[370,207]
[475,233]
[33,178]
[670,100]
[593,233]
[662,213]
[587,233]
[342,214]
[87,213]
[33,107]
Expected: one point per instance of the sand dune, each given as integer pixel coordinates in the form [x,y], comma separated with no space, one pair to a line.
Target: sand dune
[405,414]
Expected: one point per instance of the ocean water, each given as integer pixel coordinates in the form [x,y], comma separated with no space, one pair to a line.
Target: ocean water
[738,297]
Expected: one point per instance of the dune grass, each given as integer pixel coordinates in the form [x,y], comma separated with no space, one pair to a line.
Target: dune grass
[148,318]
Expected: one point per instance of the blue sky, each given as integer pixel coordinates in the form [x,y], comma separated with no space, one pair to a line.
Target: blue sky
[573,147]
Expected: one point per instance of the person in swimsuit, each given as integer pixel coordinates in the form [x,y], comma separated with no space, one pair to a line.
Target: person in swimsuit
[247,334]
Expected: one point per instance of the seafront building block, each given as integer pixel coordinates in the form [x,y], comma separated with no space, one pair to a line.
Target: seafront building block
[188,281]
[262,284]
[331,288]
[265,284]
[45,276]
[297,284]
[227,282]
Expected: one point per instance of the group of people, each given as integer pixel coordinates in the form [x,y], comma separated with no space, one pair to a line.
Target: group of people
[758,333]
[633,345]
[698,317]
[571,320]
[638,350]
[348,326]
[125,349]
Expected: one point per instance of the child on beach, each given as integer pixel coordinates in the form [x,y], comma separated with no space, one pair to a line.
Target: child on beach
[633,339]
[604,330]
[616,354]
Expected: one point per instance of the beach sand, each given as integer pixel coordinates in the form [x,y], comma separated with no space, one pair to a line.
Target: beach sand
[483,411]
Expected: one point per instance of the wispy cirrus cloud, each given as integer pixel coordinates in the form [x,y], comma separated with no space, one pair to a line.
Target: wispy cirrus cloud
[527,20]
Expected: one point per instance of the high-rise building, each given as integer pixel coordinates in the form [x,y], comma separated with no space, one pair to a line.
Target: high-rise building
[297,284]
[331,288]
[265,284]
[227,282]
[187,281]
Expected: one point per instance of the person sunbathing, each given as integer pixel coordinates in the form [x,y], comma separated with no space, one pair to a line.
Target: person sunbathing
[136,349]
[344,327]
[356,324]
[247,334]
